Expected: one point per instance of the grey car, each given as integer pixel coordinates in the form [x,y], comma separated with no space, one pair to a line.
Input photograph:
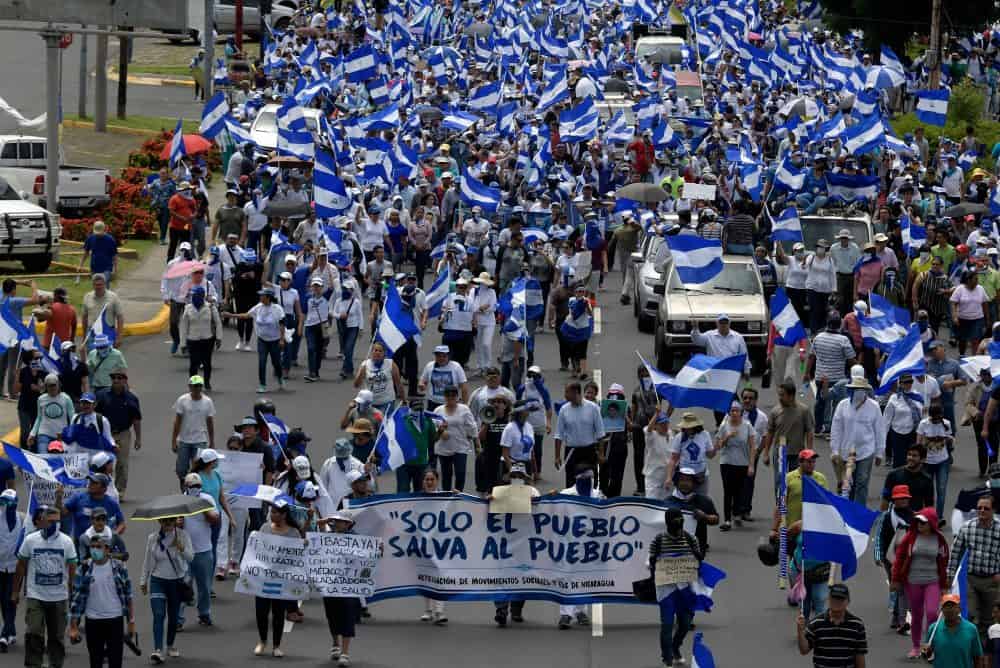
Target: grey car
[645,302]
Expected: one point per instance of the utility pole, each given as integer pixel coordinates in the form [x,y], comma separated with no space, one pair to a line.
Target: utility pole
[239,25]
[208,43]
[101,85]
[933,58]
[81,109]
[124,44]
[52,54]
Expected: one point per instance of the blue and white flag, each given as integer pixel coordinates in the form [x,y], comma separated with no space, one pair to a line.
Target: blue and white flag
[99,327]
[383,119]
[396,325]
[296,143]
[438,293]
[663,137]
[329,191]
[533,234]
[47,469]
[834,528]
[579,323]
[618,130]
[786,321]
[485,98]
[891,60]
[579,123]
[884,325]
[932,106]
[696,260]
[786,227]
[459,121]
[751,178]
[523,292]
[701,655]
[906,356]
[994,201]
[706,382]
[865,102]
[475,193]
[51,358]
[395,446]
[661,381]
[361,64]
[177,150]
[213,116]
[848,188]
[881,78]
[238,133]
[790,177]
[281,244]
[556,90]
[85,436]
[265,493]
[12,330]
[864,137]
[960,583]
[695,596]
[967,159]
[914,236]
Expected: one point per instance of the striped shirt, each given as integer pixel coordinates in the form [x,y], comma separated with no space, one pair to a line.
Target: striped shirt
[832,352]
[836,645]
[982,544]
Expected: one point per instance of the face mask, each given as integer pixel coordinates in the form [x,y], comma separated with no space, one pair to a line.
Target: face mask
[584,484]
[869,256]
[820,252]
[97,553]
[103,352]
[194,491]
[646,383]
[799,255]
[198,301]
[50,530]
[858,398]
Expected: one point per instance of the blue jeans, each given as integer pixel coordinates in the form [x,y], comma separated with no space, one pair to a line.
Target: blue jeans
[165,601]
[290,353]
[670,640]
[348,337]
[202,572]
[315,348]
[814,601]
[163,218]
[185,455]
[7,608]
[809,204]
[859,484]
[267,349]
[453,464]
[939,474]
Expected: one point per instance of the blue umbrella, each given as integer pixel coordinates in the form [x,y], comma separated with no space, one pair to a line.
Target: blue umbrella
[880,78]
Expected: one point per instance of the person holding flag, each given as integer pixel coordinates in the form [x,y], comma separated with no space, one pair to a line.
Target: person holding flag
[102,310]
[577,329]
[952,641]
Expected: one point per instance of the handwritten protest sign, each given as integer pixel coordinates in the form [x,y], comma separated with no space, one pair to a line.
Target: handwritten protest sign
[342,564]
[274,567]
[43,492]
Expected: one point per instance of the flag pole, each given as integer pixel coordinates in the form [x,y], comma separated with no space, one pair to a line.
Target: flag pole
[783,512]
[845,492]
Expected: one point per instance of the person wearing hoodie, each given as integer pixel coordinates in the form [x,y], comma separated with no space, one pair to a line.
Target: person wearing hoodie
[921,570]
[537,394]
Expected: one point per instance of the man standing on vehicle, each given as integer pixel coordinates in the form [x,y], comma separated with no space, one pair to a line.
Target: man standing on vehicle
[845,255]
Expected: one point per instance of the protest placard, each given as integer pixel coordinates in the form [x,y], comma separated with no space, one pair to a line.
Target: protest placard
[342,564]
[274,567]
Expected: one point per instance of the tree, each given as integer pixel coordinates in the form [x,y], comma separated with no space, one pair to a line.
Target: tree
[893,22]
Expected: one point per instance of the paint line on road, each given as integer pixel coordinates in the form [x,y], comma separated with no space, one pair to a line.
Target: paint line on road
[597,320]
[597,377]
[597,620]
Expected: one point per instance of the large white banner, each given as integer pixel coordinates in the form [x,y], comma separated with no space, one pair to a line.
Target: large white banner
[569,549]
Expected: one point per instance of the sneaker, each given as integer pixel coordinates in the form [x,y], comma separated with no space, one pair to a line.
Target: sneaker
[281,383]
[259,649]
[277,653]
[500,618]
[344,660]
[726,526]
[517,618]
[220,575]
[679,661]
[205,621]
[173,652]
[427,616]
[903,629]
[309,379]
[261,389]
[173,348]
[913,654]
[335,652]
[564,622]
[440,619]
[156,657]
[3,645]
[748,518]
[234,568]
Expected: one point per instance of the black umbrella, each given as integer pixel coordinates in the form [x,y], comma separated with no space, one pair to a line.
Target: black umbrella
[964,209]
[172,505]
[648,193]
[286,209]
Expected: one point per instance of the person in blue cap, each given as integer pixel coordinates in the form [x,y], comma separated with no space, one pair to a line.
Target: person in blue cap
[101,361]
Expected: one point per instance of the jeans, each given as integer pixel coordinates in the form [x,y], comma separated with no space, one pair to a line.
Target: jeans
[267,349]
[290,353]
[198,236]
[453,464]
[165,601]
[348,336]
[923,608]
[408,478]
[163,218]
[201,572]
[7,608]
[185,455]
[809,203]
[671,640]
[862,475]
[200,357]
[818,305]
[105,640]
[939,474]
[315,348]
[814,601]
[41,619]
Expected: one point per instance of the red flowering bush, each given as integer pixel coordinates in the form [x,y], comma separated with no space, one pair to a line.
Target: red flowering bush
[126,215]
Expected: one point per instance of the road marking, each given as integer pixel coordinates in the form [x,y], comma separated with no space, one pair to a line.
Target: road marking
[596,376]
[597,320]
[597,620]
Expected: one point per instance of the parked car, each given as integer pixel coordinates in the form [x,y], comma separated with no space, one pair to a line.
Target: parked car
[282,13]
[264,129]
[23,166]
[736,291]
[28,233]
[645,299]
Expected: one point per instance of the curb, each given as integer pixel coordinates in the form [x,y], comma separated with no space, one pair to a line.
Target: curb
[118,129]
[150,80]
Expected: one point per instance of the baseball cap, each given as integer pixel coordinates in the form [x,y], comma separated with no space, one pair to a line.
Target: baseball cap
[196,380]
[901,492]
[442,350]
[808,454]
[88,397]
[840,591]
[722,317]
[192,480]
[208,455]
[951,598]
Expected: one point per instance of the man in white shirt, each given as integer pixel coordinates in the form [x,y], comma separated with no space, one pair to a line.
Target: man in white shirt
[46,563]
[333,475]
[440,374]
[858,429]
[584,485]
[230,252]
[475,228]
[722,341]
[194,426]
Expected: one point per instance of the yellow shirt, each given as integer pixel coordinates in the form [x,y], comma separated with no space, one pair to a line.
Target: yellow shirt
[917,267]
[793,482]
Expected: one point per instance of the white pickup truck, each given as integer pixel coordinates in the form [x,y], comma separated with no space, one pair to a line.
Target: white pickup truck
[22,165]
[28,233]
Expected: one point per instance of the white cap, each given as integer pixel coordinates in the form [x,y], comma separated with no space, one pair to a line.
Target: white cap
[364,397]
[302,466]
[192,480]
[857,371]
[101,459]
[285,276]
[208,455]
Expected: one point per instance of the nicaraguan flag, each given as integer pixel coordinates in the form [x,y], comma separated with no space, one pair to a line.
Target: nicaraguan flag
[526,292]
[460,121]
[506,119]
[396,325]
[296,143]
[697,595]
[485,97]
[439,292]
[932,106]
[891,60]
[706,382]
[384,119]
[618,131]
[994,201]
[789,177]
[475,193]
[906,356]
[914,236]
[329,191]
[834,528]
[238,133]
[86,437]
[177,150]
[280,244]
[361,64]
[884,325]
[660,380]
[865,102]
[101,326]
[404,160]
[786,227]
[751,177]
[786,320]
[701,655]
[213,116]
[52,359]
[696,260]
[579,323]
[663,136]
[556,90]
[848,189]
[265,493]
[960,583]
[864,137]
[967,159]
[32,464]
[396,445]
[12,330]
[579,123]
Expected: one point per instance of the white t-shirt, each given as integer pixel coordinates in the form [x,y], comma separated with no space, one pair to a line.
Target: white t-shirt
[937,436]
[103,603]
[970,302]
[47,577]
[520,439]
[194,414]
[199,529]
[267,320]
[438,378]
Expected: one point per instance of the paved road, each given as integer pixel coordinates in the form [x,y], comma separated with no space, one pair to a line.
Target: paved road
[750,625]
[23,55]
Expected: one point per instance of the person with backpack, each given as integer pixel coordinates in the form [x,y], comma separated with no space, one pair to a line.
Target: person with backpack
[88,419]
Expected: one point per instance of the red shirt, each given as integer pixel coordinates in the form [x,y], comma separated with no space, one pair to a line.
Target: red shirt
[62,323]
[186,206]
[643,156]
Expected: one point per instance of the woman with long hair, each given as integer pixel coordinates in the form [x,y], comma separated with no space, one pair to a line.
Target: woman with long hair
[168,557]
[281,524]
